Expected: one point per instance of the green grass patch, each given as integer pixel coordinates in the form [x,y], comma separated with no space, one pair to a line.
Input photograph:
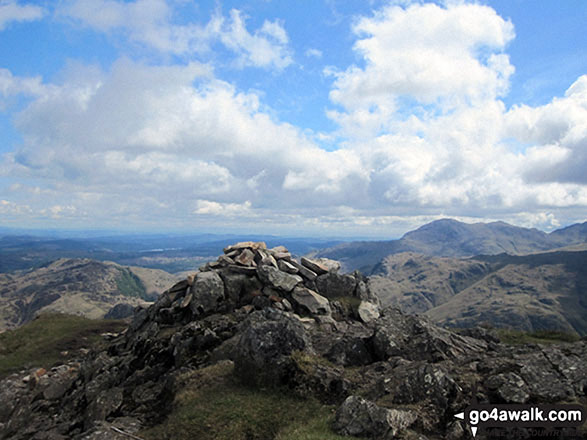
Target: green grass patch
[349,303]
[128,284]
[212,405]
[40,343]
[514,337]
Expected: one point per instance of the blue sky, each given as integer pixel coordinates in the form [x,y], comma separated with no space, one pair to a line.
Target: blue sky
[331,118]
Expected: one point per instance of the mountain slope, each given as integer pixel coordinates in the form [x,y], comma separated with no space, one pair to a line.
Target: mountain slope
[531,292]
[451,238]
[76,286]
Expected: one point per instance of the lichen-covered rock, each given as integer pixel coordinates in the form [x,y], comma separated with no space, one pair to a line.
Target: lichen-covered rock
[362,418]
[368,312]
[416,338]
[208,292]
[263,354]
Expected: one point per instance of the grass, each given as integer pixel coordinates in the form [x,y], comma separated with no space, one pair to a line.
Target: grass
[212,405]
[40,343]
[513,337]
[128,284]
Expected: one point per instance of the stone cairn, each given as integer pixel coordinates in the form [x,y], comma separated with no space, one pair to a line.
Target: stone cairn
[252,276]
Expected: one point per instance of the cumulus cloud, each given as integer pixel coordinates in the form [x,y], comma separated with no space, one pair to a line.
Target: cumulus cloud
[171,135]
[558,134]
[151,23]
[422,55]
[11,11]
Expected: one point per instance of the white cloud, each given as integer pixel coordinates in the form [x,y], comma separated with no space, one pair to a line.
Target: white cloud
[11,11]
[207,207]
[151,23]
[315,53]
[423,55]
[558,134]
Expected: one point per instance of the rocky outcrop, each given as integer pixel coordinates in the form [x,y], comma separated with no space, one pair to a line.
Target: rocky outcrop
[294,324]
[361,418]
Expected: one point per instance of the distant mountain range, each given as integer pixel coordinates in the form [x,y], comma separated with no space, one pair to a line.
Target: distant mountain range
[543,291]
[451,238]
[76,286]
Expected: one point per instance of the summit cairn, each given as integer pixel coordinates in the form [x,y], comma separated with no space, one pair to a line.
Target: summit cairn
[256,276]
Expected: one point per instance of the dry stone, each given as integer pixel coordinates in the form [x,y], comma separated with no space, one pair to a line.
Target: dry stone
[287,267]
[245,258]
[278,279]
[315,266]
[311,301]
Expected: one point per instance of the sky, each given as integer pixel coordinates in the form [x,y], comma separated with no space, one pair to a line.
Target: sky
[323,118]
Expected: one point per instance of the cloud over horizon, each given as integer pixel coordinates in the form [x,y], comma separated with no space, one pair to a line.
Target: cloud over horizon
[421,128]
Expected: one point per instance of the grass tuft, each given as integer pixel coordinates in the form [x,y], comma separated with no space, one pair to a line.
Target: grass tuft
[40,343]
[212,405]
[515,337]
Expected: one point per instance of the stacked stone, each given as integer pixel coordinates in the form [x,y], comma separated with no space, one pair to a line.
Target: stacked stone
[250,275]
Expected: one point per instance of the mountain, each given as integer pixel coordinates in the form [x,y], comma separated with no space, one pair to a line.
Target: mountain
[543,291]
[76,286]
[451,238]
[258,345]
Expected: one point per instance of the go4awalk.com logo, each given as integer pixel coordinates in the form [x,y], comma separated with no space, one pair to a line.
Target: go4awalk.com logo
[547,417]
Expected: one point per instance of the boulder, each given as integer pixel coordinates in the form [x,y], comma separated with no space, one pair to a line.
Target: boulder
[362,418]
[333,285]
[120,311]
[368,312]
[311,301]
[208,292]
[263,353]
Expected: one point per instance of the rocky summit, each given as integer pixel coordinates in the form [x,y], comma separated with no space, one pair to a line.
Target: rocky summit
[300,326]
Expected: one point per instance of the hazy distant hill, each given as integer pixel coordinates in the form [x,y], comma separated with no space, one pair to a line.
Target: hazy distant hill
[170,252]
[451,238]
[76,286]
[532,292]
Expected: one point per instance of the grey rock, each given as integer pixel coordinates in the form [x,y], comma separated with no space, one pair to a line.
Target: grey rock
[245,258]
[208,292]
[245,244]
[245,270]
[333,285]
[268,339]
[368,312]
[314,265]
[120,311]
[510,387]
[416,338]
[331,265]
[286,266]
[278,279]
[311,301]
[239,286]
[362,418]
[304,271]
